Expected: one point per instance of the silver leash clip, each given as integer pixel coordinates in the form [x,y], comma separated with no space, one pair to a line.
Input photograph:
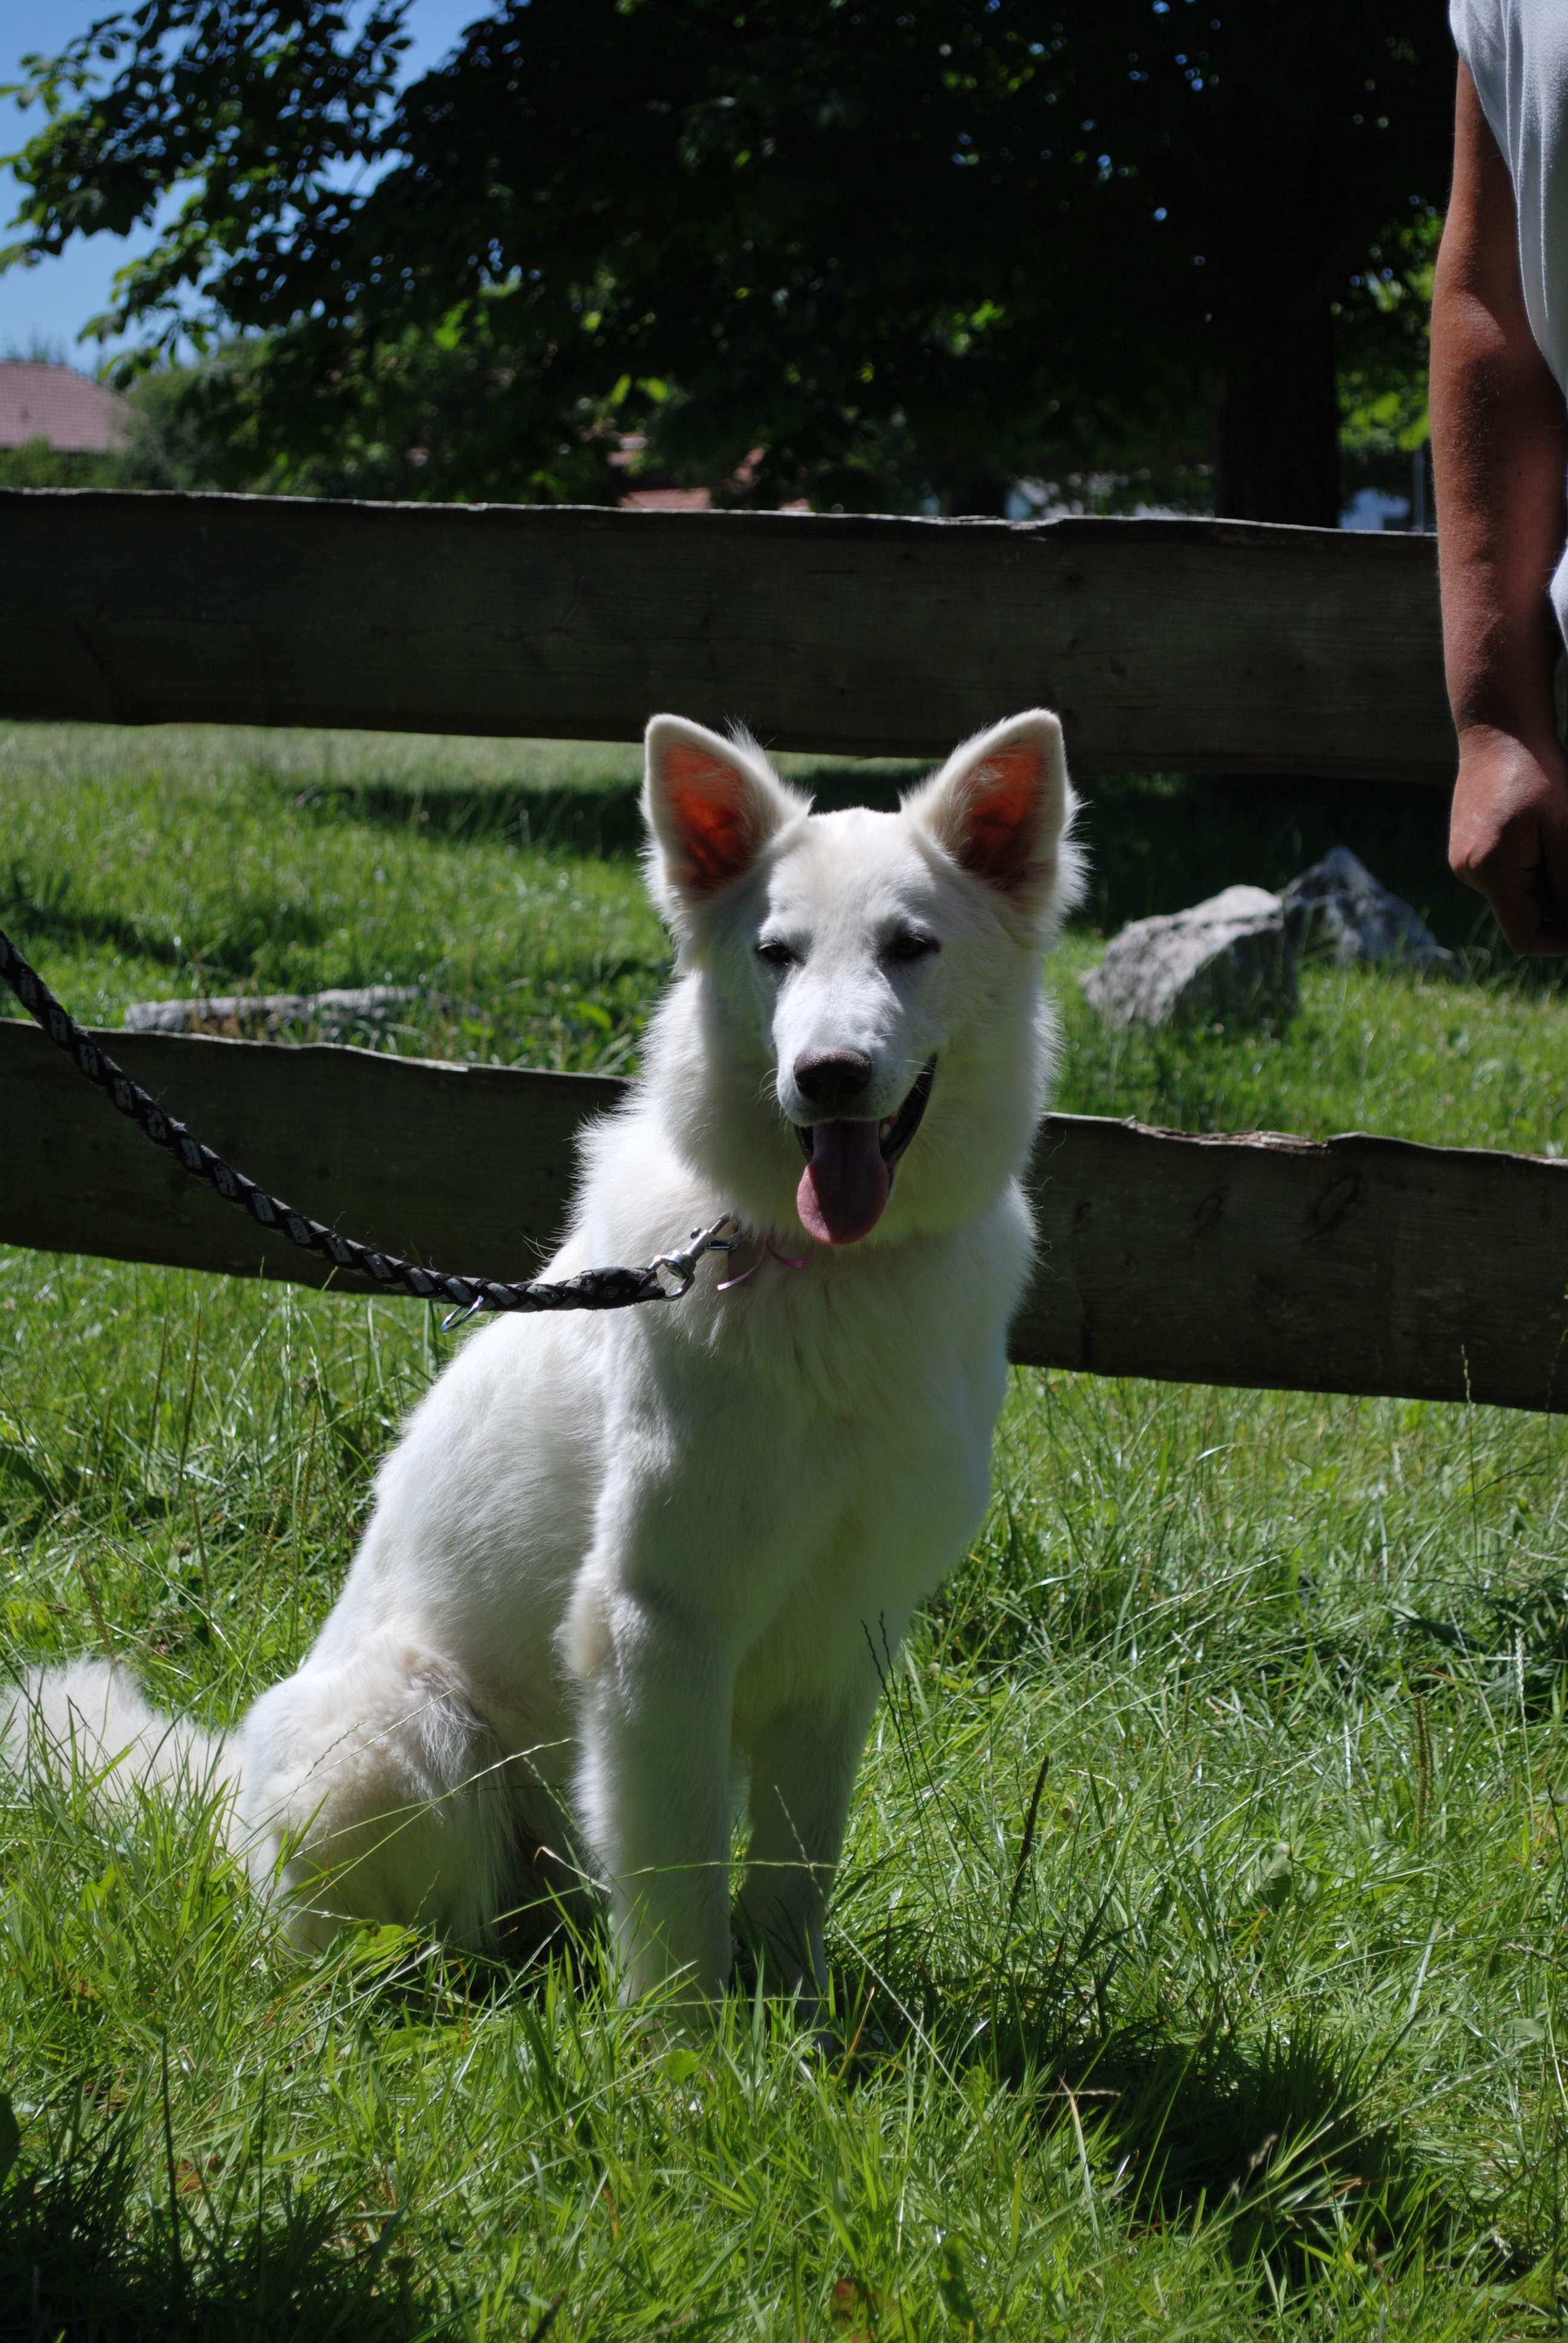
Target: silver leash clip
[675,1271]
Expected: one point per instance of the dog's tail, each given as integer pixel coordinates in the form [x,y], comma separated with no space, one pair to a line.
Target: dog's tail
[90,1721]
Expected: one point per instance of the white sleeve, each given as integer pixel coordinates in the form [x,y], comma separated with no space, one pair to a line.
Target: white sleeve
[1481,36]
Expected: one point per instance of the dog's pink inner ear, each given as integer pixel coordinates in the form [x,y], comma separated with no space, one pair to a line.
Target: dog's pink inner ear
[1000,819]
[710,805]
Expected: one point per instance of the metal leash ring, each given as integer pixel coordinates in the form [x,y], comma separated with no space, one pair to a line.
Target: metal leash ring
[675,1271]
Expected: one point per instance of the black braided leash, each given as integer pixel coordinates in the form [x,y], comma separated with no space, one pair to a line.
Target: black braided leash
[665,1277]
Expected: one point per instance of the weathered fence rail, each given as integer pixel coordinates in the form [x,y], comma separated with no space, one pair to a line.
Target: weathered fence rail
[1181,645]
[1364,1265]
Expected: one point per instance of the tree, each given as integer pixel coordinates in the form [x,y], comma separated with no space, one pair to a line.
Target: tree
[909,249]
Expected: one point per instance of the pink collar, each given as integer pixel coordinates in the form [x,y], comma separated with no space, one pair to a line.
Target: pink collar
[769,1252]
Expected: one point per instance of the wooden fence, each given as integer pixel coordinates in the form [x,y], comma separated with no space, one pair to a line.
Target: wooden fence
[1191,646]
[1363,1265]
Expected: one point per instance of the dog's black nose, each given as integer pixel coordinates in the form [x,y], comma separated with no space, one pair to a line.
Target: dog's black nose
[834,1079]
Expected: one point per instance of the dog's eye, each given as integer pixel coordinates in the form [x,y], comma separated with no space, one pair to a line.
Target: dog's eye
[777,955]
[909,944]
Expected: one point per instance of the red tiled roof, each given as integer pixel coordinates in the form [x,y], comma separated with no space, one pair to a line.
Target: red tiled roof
[666,500]
[57,404]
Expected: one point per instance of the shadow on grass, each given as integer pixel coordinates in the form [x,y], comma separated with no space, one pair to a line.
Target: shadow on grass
[1510,1643]
[594,820]
[80,2257]
[1278,2145]
[1273,2139]
[1156,841]
[32,914]
[598,819]
[38,909]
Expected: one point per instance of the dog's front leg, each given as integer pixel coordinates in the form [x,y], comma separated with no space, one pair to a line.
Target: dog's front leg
[653,1786]
[802,1773]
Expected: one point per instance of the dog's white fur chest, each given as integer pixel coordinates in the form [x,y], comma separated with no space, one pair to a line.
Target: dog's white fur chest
[819,1463]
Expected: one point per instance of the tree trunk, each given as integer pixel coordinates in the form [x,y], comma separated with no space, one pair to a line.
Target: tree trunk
[1277,427]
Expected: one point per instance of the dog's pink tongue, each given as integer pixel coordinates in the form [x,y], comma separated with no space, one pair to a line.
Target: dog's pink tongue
[844,1188]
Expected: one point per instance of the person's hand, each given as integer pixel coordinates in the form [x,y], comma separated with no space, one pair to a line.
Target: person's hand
[1508,835]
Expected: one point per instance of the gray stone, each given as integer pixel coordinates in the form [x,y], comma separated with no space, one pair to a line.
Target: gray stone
[343,1009]
[1231,957]
[1338,909]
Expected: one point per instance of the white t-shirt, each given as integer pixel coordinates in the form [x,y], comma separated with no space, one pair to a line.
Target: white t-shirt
[1517,52]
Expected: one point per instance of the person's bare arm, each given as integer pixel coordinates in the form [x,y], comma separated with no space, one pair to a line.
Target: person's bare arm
[1500,456]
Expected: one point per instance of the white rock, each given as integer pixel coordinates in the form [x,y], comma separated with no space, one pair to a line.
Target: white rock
[1231,957]
[335,1012]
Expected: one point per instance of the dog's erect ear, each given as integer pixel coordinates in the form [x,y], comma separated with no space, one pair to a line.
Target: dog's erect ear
[711,804]
[1001,807]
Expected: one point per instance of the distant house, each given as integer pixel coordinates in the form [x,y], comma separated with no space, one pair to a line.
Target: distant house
[75,416]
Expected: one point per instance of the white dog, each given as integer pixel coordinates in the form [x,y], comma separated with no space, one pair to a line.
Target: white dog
[621,1565]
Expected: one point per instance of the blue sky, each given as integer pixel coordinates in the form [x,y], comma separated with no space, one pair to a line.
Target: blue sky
[51,303]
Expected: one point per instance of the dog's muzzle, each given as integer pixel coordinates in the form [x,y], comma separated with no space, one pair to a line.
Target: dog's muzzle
[894,1131]
[849,1166]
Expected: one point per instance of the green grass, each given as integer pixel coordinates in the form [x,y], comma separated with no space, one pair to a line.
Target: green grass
[156,865]
[145,866]
[1457,1065]
[1199,1954]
